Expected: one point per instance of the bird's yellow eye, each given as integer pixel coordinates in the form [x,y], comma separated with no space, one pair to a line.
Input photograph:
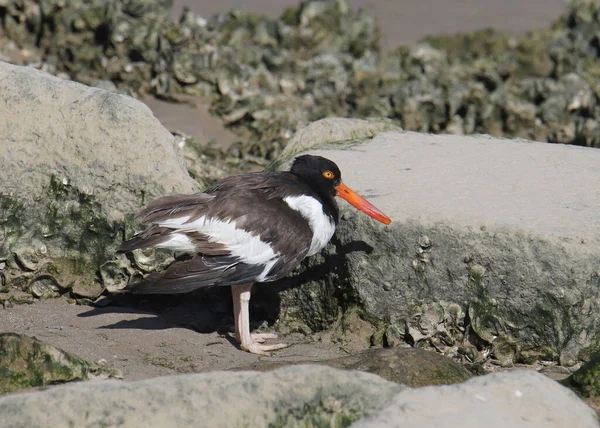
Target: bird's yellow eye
[328,174]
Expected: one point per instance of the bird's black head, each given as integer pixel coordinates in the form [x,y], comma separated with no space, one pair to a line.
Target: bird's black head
[321,174]
[324,177]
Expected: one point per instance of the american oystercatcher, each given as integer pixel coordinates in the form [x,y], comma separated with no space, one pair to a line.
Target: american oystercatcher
[247,228]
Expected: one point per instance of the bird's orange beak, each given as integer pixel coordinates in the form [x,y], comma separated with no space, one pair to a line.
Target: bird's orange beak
[361,203]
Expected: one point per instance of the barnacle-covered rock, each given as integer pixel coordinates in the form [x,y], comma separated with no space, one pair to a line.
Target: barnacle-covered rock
[238,57]
[44,287]
[115,273]
[322,59]
[492,286]
[65,204]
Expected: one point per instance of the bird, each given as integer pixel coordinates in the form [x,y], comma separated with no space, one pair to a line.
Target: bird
[246,228]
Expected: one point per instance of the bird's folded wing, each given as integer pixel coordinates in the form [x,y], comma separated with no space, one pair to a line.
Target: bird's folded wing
[198,272]
[191,206]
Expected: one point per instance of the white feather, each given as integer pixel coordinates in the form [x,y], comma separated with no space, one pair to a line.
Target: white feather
[321,225]
[244,245]
[178,242]
[267,269]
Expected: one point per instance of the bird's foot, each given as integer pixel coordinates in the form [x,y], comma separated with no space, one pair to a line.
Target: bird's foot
[257,347]
[261,337]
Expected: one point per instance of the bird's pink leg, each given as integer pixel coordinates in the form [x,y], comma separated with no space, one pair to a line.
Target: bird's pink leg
[241,314]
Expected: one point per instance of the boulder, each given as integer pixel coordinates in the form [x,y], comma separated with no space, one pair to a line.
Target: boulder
[586,380]
[300,396]
[407,366]
[331,131]
[292,396]
[77,163]
[492,239]
[516,399]
[27,362]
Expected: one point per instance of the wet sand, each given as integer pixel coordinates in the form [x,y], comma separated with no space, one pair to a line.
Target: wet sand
[146,344]
[191,118]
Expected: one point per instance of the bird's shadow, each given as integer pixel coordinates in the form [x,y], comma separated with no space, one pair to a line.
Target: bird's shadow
[211,309]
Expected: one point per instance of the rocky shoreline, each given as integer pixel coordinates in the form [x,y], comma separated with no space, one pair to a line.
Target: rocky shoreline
[267,78]
[491,278]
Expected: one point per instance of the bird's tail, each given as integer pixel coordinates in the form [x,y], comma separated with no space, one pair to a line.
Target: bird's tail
[151,237]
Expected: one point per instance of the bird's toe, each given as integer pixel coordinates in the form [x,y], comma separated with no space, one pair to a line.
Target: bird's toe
[260,349]
[261,337]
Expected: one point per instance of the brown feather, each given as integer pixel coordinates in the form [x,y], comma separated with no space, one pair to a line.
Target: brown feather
[156,235]
[151,237]
[174,206]
[201,242]
[197,272]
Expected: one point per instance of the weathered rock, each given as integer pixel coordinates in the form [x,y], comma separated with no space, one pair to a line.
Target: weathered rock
[269,77]
[293,396]
[586,380]
[511,233]
[301,396]
[406,366]
[77,163]
[517,399]
[330,131]
[26,362]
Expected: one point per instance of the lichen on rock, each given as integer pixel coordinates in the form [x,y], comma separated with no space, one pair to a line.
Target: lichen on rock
[26,362]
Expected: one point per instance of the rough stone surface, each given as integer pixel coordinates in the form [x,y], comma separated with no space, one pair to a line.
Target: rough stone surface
[507,230]
[406,366]
[84,137]
[76,163]
[586,380]
[517,399]
[27,362]
[334,130]
[301,396]
[293,396]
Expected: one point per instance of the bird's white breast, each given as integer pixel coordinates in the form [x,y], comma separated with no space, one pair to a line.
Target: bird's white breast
[321,225]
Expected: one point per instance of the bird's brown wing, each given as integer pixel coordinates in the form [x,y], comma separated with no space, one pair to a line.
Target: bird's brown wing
[198,272]
[175,206]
